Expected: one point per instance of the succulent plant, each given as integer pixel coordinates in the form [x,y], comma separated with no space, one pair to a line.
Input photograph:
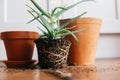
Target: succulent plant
[51,20]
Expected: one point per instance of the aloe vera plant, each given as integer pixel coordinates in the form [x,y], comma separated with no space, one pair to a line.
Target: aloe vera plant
[50,20]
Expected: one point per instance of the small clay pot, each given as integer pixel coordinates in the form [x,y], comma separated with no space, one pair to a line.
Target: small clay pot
[19,45]
[19,64]
[83,53]
[52,53]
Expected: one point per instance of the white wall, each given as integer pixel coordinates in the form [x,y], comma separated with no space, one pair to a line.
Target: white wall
[108,46]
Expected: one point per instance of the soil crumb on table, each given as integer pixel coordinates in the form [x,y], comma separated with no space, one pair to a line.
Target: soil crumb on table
[2,66]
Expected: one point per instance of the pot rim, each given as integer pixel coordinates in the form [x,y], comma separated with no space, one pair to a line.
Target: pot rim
[85,20]
[19,35]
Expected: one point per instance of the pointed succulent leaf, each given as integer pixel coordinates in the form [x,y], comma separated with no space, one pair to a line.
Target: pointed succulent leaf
[44,21]
[31,12]
[71,20]
[54,10]
[72,33]
[76,31]
[45,34]
[68,32]
[60,31]
[70,27]
[40,9]
[79,30]
[71,6]
[33,19]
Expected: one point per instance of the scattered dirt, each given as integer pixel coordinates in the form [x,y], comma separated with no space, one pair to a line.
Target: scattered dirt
[77,69]
[99,72]
[2,66]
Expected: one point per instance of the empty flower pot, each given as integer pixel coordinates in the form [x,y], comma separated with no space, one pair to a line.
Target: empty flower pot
[19,45]
[84,53]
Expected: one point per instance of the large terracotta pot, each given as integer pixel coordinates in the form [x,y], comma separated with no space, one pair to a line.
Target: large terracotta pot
[84,53]
[19,45]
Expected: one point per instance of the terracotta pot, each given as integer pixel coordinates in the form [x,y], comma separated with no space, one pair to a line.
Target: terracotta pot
[52,53]
[19,64]
[84,53]
[19,45]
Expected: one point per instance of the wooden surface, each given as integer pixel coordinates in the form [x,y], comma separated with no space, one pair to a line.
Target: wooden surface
[105,69]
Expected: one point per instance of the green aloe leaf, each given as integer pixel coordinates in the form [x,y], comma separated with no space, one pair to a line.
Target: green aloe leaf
[71,20]
[45,34]
[47,25]
[31,12]
[65,32]
[33,19]
[71,6]
[76,31]
[40,9]
[44,21]
[62,8]
[57,32]
[73,33]
[70,27]
[80,30]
